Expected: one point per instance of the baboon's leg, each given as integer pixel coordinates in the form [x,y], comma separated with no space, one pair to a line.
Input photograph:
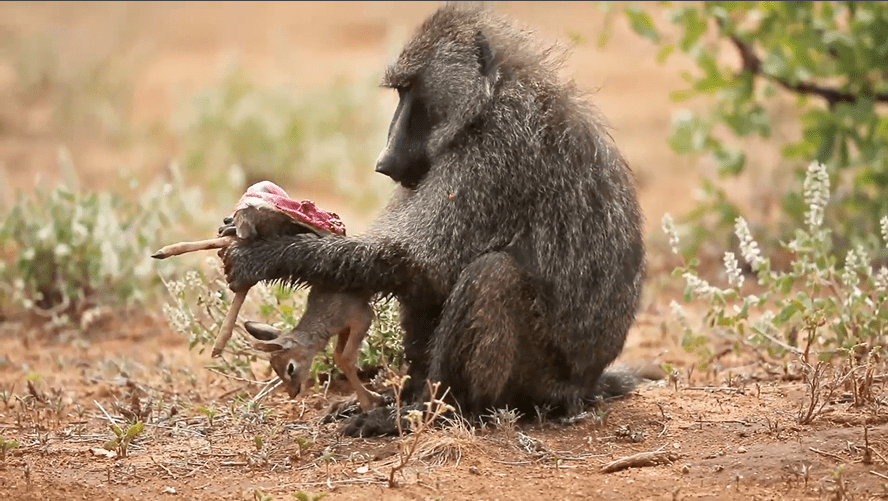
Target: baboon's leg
[419,322]
[475,347]
[345,356]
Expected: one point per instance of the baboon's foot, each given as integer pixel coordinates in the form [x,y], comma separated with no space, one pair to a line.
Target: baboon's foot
[378,422]
[350,407]
[341,410]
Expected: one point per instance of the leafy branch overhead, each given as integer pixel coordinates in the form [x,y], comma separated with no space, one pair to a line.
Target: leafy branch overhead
[832,57]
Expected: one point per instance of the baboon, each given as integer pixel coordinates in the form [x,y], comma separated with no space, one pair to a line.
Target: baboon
[513,241]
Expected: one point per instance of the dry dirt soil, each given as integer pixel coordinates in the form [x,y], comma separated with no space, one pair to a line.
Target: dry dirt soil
[729,433]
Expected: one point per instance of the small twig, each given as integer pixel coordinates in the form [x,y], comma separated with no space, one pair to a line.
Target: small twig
[329,482]
[233,463]
[640,460]
[162,466]
[108,416]
[726,389]
[828,454]
[238,378]
[269,387]
[879,474]
[781,344]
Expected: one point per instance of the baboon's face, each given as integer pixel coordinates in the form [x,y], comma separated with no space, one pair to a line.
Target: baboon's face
[443,78]
[405,157]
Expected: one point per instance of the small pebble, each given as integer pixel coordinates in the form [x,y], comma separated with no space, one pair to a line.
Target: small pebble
[473,470]
[685,469]
[741,450]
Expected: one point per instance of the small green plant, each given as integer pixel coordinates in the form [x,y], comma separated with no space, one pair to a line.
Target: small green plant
[6,445]
[504,420]
[839,488]
[261,496]
[382,346]
[6,395]
[210,412]
[120,443]
[837,307]
[304,445]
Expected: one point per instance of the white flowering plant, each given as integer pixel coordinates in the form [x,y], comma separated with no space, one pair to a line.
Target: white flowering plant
[837,305]
[66,249]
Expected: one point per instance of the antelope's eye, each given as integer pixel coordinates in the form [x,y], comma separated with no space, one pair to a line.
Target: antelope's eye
[290,369]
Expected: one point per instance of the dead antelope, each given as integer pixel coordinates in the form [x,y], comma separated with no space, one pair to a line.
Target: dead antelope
[265,210]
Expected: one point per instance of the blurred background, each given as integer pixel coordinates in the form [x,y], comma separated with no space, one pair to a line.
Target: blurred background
[284,91]
[128,125]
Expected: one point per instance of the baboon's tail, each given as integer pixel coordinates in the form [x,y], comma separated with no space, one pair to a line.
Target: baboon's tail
[618,380]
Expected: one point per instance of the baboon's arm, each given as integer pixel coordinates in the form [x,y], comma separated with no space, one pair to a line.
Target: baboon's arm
[334,262]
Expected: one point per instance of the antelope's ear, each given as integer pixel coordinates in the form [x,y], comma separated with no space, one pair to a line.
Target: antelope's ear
[268,346]
[261,331]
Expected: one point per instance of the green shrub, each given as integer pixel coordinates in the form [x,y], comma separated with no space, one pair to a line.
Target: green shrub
[66,249]
[822,305]
[831,57]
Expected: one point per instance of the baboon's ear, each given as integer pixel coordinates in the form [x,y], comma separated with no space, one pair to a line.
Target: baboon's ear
[263,332]
[485,54]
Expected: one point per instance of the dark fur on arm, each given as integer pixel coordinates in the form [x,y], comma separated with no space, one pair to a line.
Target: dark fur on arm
[333,262]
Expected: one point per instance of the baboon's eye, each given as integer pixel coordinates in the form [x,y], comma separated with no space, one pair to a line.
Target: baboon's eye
[290,369]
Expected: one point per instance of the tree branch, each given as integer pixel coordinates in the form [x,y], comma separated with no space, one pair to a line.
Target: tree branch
[753,64]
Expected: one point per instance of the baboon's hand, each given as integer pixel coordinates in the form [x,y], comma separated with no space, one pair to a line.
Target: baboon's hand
[227,229]
[240,265]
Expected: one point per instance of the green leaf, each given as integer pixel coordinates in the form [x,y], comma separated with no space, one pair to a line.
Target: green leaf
[787,312]
[134,430]
[641,23]
[664,53]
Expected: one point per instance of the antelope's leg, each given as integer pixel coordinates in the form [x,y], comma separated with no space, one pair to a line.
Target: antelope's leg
[228,324]
[345,356]
[186,247]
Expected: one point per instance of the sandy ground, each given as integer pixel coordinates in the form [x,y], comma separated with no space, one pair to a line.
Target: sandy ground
[728,434]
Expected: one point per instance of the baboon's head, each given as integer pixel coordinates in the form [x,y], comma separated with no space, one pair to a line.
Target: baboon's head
[289,356]
[445,76]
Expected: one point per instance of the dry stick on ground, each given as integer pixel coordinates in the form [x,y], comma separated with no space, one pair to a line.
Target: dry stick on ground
[231,318]
[642,459]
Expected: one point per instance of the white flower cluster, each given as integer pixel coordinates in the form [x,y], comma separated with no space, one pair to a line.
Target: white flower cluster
[669,229]
[701,287]
[884,227]
[748,247]
[679,314]
[177,318]
[816,193]
[881,279]
[735,278]
[854,260]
